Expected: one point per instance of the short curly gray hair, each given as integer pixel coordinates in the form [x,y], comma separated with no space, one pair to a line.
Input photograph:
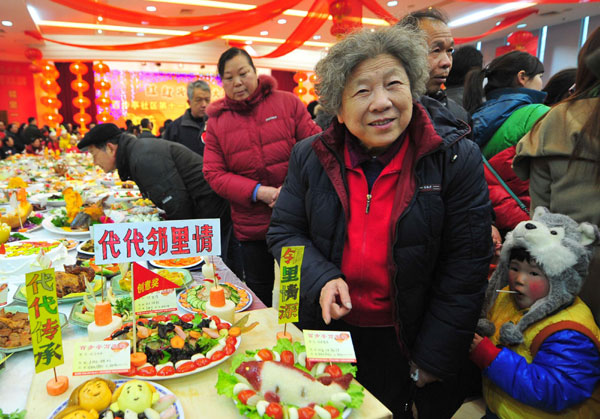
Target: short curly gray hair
[407,45]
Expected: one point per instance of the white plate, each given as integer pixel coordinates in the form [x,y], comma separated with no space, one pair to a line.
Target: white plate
[42,199]
[163,391]
[157,264]
[83,252]
[47,224]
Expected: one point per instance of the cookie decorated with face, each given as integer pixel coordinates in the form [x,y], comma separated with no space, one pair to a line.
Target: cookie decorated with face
[135,395]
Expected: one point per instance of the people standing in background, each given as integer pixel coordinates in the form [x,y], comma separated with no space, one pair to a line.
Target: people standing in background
[560,157]
[189,127]
[464,59]
[30,131]
[7,148]
[250,135]
[559,86]
[161,130]
[146,129]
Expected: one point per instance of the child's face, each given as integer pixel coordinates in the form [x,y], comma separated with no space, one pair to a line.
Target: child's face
[529,281]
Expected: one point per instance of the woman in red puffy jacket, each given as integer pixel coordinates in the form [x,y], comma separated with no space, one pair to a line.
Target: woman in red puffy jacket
[249,138]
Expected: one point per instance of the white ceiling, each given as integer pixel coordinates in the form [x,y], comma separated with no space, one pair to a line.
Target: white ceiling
[13,41]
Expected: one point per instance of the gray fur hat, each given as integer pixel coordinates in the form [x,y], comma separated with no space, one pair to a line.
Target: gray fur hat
[562,248]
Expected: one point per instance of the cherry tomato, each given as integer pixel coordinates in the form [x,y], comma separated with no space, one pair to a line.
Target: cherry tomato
[229,349]
[166,371]
[217,355]
[306,413]
[187,317]
[287,357]
[131,372]
[148,371]
[231,340]
[244,395]
[223,326]
[202,362]
[265,355]
[332,411]
[159,318]
[186,367]
[274,410]
[216,320]
[173,317]
[333,370]
[310,364]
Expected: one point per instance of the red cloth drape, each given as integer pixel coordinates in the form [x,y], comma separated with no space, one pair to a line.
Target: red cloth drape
[67,94]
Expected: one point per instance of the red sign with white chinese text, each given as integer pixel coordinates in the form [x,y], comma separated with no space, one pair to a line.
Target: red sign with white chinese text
[145,281]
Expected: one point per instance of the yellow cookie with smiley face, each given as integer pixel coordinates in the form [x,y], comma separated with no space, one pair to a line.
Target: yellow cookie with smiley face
[94,394]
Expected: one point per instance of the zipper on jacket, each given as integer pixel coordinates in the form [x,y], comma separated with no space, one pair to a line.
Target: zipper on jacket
[369,196]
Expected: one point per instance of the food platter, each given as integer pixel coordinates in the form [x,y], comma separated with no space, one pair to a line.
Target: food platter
[24,254]
[187,280]
[21,296]
[243,300]
[69,243]
[163,391]
[12,309]
[42,198]
[47,224]
[183,263]
[84,252]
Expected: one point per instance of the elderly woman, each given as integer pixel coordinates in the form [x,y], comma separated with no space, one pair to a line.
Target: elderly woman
[394,214]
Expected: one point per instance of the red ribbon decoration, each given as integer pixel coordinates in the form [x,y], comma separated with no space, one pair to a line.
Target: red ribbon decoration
[537,1]
[317,15]
[379,11]
[506,22]
[124,15]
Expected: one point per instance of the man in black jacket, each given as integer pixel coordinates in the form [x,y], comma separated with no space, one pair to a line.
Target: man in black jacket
[188,128]
[146,127]
[30,131]
[166,173]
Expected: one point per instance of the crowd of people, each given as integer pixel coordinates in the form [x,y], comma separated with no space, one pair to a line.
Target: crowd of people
[419,171]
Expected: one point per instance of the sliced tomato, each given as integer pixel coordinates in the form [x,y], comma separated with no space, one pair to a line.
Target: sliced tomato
[217,355]
[306,413]
[216,320]
[186,367]
[159,318]
[274,410]
[187,317]
[231,340]
[223,326]
[166,371]
[148,371]
[244,395]
[332,411]
[333,370]
[202,362]
[130,373]
[229,349]
[287,357]
[265,355]
[173,317]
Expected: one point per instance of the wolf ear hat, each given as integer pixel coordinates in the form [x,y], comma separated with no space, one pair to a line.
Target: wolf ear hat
[562,248]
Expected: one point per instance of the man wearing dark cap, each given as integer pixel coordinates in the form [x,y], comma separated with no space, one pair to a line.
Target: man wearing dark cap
[166,173]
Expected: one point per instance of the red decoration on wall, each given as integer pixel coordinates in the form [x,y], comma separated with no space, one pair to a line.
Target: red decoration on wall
[346,16]
[103,86]
[519,41]
[33,54]
[48,83]
[80,86]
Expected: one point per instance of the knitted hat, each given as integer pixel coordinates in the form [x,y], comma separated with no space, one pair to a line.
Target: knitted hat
[99,135]
[562,249]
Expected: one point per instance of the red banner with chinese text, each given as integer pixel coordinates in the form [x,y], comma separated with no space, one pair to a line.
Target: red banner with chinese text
[145,282]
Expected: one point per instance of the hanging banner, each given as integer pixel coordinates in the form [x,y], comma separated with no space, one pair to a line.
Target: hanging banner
[289,290]
[46,337]
[128,242]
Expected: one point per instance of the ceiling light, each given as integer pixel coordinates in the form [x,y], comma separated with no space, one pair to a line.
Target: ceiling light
[282,21]
[258,39]
[144,22]
[140,34]
[205,27]
[100,18]
[498,23]
[392,3]
[180,65]
[129,29]
[317,37]
[7,23]
[151,8]
[264,33]
[248,42]
[521,25]
[99,30]
[488,13]
[250,50]
[372,30]
[34,14]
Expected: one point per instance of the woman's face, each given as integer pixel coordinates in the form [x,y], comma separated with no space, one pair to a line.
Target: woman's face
[377,102]
[534,83]
[239,78]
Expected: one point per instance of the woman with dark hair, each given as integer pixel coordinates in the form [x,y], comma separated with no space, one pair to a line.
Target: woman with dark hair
[561,157]
[513,104]
[464,59]
[249,138]
[559,86]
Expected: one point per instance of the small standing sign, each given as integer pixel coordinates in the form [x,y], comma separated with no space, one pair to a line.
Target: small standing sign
[328,346]
[152,293]
[289,292]
[102,357]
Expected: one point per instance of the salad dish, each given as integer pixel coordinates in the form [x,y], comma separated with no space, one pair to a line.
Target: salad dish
[170,346]
[195,298]
[183,263]
[86,247]
[280,382]
[48,225]
[109,270]
[15,334]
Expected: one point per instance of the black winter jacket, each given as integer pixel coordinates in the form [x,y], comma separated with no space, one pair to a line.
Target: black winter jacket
[441,244]
[187,131]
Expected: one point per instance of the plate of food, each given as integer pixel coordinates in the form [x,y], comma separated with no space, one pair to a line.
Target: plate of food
[26,248]
[58,225]
[103,399]
[69,244]
[82,313]
[32,223]
[183,263]
[86,247]
[15,334]
[108,270]
[121,195]
[194,299]
[181,277]
[312,390]
[172,346]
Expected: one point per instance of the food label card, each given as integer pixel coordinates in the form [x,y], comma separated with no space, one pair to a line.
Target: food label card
[46,337]
[289,289]
[127,242]
[157,302]
[328,346]
[101,357]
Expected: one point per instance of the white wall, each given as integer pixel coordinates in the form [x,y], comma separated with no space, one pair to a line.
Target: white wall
[562,46]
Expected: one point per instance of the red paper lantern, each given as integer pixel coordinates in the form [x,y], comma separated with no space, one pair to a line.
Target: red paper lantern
[48,70]
[33,54]
[78,68]
[82,102]
[312,78]
[34,68]
[50,86]
[102,85]
[300,77]
[80,85]
[103,101]
[311,91]
[100,68]
[51,102]
[82,118]
[104,117]
[52,118]
[299,91]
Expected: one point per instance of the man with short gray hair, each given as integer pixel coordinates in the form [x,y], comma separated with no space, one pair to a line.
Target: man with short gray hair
[188,128]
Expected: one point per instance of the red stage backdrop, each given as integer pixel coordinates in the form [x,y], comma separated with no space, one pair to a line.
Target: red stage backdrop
[17,96]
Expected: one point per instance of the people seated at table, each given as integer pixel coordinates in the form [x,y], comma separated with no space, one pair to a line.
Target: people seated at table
[393,212]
